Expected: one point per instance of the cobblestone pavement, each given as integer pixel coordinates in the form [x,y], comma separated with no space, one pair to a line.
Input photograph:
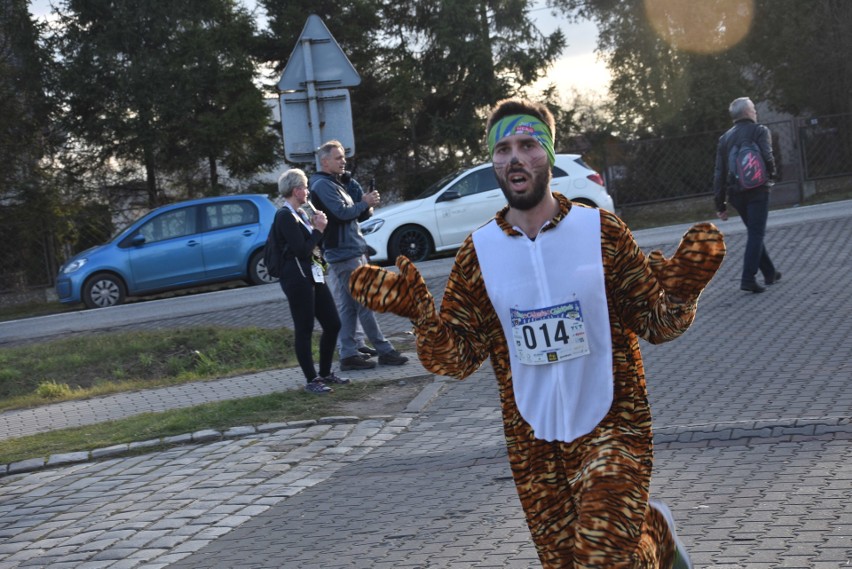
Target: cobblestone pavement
[752,428]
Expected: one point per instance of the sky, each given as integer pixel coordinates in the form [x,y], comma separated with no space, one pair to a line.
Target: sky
[577,69]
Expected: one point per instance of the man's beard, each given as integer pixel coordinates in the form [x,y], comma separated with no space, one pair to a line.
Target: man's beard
[529,200]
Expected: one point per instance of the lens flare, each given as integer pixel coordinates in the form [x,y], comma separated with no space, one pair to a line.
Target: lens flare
[705,26]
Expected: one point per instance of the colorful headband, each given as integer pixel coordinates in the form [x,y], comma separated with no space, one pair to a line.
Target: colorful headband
[522,124]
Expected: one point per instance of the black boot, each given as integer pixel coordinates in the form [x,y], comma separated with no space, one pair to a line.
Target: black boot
[752,287]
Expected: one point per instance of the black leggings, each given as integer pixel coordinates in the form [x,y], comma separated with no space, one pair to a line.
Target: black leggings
[309,300]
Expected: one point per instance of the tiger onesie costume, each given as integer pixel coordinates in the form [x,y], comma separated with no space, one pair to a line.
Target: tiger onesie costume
[586,501]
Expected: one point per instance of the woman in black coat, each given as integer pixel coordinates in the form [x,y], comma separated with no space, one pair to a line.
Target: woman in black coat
[303,280]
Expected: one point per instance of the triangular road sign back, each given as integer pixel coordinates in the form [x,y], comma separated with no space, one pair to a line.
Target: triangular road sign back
[331,67]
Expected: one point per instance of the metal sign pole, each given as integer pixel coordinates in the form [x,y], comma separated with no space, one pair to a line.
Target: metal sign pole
[313,101]
[313,108]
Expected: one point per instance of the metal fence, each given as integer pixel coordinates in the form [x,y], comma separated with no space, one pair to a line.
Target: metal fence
[26,261]
[826,146]
[30,252]
[636,173]
[650,171]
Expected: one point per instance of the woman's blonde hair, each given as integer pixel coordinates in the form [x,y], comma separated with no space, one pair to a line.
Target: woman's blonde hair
[290,180]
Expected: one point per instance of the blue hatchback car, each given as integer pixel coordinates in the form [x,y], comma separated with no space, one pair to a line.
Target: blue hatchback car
[181,245]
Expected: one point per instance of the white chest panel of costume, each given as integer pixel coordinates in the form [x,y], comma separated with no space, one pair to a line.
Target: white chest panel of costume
[551,300]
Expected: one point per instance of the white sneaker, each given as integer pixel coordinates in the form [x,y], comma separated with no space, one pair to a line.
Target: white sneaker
[681,560]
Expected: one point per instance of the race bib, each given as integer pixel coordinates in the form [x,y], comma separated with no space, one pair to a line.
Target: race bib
[316,269]
[549,335]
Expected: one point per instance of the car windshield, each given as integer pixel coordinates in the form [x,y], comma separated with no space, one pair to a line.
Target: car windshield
[433,189]
[123,229]
[121,233]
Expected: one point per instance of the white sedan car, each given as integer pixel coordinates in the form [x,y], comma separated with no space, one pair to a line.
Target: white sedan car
[442,217]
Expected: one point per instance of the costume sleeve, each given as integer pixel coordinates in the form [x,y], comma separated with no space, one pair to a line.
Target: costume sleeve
[337,203]
[638,300]
[453,342]
[458,342]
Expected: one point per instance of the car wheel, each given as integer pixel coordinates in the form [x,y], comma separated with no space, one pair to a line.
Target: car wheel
[102,290]
[412,241]
[258,274]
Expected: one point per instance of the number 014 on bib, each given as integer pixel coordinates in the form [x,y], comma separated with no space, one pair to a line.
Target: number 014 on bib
[549,335]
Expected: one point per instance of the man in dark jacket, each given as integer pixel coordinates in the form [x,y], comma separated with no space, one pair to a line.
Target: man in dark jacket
[752,204]
[345,250]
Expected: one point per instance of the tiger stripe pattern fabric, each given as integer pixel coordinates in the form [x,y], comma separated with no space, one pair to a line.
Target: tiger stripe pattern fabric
[586,502]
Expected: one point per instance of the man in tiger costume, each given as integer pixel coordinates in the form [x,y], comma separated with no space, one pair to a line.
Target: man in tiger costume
[557,295]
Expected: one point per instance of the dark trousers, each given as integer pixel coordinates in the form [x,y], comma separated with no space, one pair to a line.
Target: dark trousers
[753,207]
[309,300]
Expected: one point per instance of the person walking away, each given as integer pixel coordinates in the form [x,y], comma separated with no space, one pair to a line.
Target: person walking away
[303,282]
[345,250]
[751,203]
[557,295]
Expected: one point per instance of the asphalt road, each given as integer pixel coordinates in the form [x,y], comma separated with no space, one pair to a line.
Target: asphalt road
[234,299]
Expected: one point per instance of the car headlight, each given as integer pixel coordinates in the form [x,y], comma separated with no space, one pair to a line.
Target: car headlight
[74,265]
[371,226]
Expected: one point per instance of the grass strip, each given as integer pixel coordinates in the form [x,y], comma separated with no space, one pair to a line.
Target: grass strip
[89,365]
[281,407]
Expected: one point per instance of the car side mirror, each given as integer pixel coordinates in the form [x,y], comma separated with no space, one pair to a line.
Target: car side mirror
[449,195]
[138,240]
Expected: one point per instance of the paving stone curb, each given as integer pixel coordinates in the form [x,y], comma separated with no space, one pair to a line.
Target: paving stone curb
[203,436]
[681,436]
[754,432]
[426,396]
